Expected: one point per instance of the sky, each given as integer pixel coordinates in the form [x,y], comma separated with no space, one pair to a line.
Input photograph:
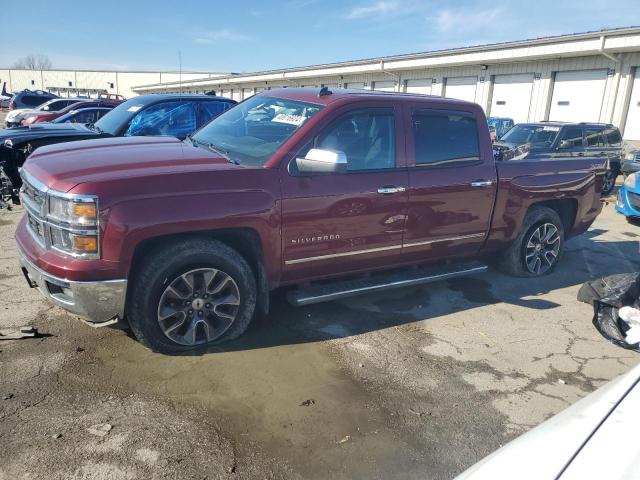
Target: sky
[247,35]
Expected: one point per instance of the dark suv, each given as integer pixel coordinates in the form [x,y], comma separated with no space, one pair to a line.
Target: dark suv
[30,99]
[556,139]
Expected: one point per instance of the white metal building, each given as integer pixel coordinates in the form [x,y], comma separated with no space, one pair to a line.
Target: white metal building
[593,76]
[72,83]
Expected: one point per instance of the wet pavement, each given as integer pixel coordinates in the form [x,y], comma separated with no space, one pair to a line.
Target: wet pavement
[414,383]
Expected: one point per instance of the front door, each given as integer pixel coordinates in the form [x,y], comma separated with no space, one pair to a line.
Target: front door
[452,185]
[345,222]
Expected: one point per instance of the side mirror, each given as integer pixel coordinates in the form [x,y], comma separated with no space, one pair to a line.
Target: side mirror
[565,144]
[318,160]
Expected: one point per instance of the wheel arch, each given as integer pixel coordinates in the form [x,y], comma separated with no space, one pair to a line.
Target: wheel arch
[566,208]
[246,241]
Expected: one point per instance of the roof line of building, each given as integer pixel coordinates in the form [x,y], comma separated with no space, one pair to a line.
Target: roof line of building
[94,70]
[420,55]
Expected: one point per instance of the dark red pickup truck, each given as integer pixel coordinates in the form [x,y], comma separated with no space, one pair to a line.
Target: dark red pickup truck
[185,240]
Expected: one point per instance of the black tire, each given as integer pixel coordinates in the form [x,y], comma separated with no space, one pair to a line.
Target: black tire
[165,264]
[513,261]
[609,182]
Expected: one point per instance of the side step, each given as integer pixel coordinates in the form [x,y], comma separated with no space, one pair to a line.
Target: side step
[317,293]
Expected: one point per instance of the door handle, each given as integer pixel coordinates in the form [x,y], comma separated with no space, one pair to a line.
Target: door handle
[482,183]
[390,190]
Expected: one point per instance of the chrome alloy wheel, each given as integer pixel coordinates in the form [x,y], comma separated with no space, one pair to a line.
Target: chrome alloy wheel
[199,306]
[543,247]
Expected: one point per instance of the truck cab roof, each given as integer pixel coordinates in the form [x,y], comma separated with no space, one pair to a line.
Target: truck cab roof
[312,95]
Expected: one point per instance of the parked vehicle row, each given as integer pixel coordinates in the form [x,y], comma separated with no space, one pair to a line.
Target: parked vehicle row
[173,115]
[14,117]
[567,140]
[185,239]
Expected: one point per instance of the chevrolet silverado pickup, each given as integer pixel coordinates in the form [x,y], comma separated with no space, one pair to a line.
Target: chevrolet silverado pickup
[328,193]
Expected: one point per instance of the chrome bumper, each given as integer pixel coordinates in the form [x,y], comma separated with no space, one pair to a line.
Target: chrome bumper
[99,302]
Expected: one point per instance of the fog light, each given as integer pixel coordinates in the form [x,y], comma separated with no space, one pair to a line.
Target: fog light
[85,244]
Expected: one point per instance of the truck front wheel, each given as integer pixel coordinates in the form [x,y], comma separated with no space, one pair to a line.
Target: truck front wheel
[537,250]
[191,294]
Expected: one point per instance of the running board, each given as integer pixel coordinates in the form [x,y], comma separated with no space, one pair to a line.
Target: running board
[317,293]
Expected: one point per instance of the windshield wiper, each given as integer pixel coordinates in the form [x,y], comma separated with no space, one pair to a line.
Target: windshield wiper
[222,152]
[214,148]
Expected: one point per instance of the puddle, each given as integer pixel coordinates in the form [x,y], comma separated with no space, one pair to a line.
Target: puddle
[255,393]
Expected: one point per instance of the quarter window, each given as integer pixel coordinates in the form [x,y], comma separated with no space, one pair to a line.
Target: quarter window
[445,138]
[614,139]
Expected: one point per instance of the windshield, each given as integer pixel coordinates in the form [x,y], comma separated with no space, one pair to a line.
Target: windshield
[252,131]
[117,118]
[539,135]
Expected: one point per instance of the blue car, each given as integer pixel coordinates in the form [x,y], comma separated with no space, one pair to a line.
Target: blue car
[628,201]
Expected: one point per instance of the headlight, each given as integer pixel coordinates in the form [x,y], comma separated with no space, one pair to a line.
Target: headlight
[8,143]
[630,182]
[73,211]
[73,223]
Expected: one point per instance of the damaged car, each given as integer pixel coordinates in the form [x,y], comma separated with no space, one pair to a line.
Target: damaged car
[150,115]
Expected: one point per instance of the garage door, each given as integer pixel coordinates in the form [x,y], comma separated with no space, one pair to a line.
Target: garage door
[632,127]
[577,96]
[462,88]
[237,94]
[512,96]
[359,85]
[385,86]
[422,86]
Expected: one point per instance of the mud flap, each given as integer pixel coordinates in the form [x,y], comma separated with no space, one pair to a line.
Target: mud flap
[608,295]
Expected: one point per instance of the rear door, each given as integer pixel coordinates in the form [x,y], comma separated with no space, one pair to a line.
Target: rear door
[595,142]
[452,184]
[344,222]
[569,143]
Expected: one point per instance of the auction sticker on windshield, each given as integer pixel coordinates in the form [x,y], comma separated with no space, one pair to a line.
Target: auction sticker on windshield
[551,129]
[134,108]
[296,120]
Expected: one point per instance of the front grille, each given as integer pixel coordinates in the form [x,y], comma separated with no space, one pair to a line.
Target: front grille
[36,227]
[33,197]
[634,200]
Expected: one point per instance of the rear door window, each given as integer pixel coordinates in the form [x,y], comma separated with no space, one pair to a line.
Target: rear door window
[174,119]
[572,137]
[445,138]
[209,110]
[594,138]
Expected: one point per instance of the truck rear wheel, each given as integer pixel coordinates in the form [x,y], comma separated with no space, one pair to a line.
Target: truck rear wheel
[538,248]
[191,294]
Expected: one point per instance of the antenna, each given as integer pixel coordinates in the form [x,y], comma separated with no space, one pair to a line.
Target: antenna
[180,67]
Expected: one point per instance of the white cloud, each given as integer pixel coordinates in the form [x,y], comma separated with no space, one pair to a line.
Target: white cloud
[466,20]
[219,36]
[380,8]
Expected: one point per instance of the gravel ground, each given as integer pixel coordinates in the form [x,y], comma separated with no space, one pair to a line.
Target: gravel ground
[415,383]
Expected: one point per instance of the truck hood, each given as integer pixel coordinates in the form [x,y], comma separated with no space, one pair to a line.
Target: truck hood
[64,166]
[41,130]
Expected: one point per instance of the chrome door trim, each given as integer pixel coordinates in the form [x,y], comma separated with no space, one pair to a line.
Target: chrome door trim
[448,239]
[342,254]
[381,249]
